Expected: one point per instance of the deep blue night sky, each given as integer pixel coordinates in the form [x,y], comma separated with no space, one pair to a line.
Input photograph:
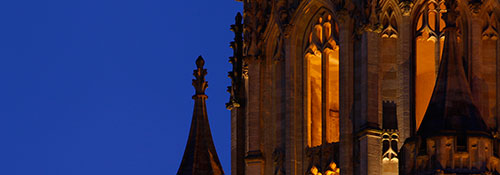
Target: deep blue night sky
[103,87]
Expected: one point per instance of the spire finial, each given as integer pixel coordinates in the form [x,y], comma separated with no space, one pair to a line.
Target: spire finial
[199,82]
[238,18]
[200,62]
[200,156]
[451,15]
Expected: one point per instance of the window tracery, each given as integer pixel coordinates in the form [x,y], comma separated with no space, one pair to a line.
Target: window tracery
[429,46]
[389,24]
[429,40]
[322,98]
[322,57]
[333,169]
[490,27]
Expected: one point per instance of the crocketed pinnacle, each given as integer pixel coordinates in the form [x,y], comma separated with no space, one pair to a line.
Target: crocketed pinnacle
[200,156]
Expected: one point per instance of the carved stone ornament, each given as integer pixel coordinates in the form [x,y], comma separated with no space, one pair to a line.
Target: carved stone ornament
[236,60]
[389,24]
[490,27]
[199,82]
[406,6]
[322,159]
[278,158]
[475,6]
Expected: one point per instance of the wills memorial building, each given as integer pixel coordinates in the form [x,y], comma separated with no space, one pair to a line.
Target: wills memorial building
[362,87]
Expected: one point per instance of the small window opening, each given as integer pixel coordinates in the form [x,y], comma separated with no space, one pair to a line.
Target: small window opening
[462,143]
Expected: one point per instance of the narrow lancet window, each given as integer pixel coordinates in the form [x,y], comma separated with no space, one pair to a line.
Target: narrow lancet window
[429,48]
[322,82]
[315,96]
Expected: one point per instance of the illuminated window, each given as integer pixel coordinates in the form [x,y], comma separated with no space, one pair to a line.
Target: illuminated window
[322,59]
[429,47]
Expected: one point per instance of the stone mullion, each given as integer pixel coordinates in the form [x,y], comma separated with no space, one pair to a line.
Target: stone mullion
[324,94]
[437,55]
[411,73]
[346,97]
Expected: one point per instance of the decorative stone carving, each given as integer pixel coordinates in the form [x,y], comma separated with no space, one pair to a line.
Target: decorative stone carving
[406,6]
[490,26]
[322,158]
[325,34]
[434,30]
[366,17]
[390,139]
[236,60]
[389,24]
[257,15]
[475,6]
[199,83]
[283,17]
[278,158]
[332,169]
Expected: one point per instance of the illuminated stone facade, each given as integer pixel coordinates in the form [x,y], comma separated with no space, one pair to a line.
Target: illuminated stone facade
[337,86]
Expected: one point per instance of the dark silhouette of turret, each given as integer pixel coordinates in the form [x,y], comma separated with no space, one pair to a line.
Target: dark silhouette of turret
[200,156]
[453,138]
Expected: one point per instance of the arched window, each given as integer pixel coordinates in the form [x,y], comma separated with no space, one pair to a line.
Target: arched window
[322,81]
[429,47]
[429,42]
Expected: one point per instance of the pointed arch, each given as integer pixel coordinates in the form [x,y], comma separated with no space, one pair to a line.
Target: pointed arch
[390,18]
[389,51]
[322,60]
[303,22]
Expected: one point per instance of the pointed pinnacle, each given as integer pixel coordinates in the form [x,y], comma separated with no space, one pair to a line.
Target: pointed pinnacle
[200,62]
[238,18]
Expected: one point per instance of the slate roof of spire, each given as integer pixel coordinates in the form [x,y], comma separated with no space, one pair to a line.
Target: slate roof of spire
[451,108]
[200,156]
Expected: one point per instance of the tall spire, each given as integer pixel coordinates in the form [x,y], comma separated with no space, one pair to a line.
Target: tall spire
[200,156]
[451,109]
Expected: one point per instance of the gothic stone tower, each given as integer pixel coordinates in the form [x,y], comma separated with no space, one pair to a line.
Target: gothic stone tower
[329,86]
